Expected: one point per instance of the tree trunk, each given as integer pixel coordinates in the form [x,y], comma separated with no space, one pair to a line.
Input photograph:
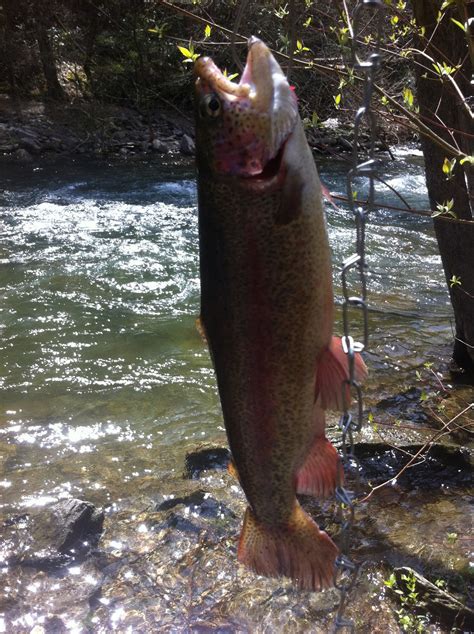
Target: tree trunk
[92,31]
[53,87]
[8,46]
[440,104]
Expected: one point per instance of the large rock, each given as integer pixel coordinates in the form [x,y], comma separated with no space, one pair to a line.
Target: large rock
[30,144]
[187,146]
[53,535]
[23,155]
[159,146]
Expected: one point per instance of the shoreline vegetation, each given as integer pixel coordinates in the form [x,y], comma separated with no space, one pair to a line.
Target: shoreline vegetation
[33,131]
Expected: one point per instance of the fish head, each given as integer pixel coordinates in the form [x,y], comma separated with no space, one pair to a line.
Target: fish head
[242,127]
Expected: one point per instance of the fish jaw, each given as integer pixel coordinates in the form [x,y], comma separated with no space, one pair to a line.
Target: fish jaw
[241,128]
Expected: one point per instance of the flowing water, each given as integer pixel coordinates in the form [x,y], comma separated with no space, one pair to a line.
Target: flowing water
[105,384]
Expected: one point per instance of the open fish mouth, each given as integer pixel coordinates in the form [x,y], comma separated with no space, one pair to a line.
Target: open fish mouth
[252,118]
[271,173]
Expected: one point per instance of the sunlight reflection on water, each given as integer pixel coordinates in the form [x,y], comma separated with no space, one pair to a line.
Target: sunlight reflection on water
[100,355]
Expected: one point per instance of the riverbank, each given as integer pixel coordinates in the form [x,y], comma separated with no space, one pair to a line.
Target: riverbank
[31,131]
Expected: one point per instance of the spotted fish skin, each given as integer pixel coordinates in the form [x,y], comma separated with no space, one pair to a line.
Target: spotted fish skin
[267,311]
[264,288]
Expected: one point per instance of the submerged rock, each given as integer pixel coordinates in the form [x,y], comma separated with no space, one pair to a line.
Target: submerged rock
[436,466]
[204,459]
[406,405]
[53,535]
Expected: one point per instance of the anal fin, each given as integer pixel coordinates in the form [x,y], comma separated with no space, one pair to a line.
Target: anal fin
[321,471]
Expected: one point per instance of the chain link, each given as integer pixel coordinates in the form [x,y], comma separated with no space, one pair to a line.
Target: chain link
[346,571]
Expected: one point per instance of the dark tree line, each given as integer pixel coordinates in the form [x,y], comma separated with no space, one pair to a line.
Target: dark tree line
[112,50]
[125,51]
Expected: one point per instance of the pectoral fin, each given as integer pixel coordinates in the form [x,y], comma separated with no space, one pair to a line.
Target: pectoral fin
[332,370]
[201,330]
[291,201]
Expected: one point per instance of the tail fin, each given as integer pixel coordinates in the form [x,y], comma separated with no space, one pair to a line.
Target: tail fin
[332,371]
[298,550]
[321,471]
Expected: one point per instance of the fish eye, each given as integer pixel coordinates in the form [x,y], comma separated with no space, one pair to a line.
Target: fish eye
[211,106]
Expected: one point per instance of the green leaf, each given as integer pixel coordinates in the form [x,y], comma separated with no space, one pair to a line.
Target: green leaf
[300,47]
[230,77]
[185,51]
[391,581]
[207,31]
[448,168]
[459,24]
[408,97]
[444,208]
[444,69]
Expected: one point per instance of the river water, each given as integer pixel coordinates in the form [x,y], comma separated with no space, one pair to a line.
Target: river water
[105,384]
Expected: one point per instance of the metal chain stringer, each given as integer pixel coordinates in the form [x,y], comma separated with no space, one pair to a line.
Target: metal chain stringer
[346,571]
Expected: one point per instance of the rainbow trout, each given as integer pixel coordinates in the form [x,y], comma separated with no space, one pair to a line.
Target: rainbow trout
[267,310]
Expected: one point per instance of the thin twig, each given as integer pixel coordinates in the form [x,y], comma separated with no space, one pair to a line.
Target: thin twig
[238,18]
[438,380]
[392,189]
[291,37]
[329,71]
[417,212]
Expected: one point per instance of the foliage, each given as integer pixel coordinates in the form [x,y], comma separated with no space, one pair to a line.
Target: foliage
[408,617]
